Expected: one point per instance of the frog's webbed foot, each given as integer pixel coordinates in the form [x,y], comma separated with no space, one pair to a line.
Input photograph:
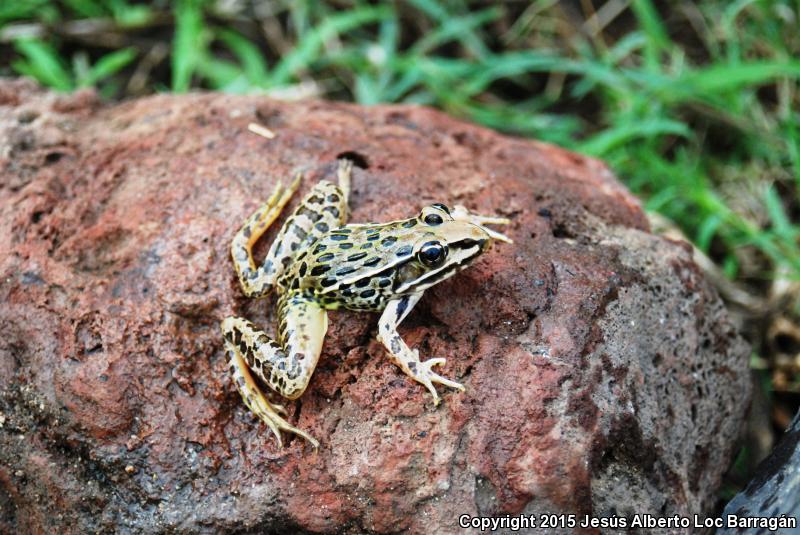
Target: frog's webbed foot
[422,372]
[286,370]
[460,213]
[270,414]
[280,409]
[406,358]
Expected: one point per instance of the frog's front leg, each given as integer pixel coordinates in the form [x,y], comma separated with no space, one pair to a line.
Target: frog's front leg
[286,366]
[406,358]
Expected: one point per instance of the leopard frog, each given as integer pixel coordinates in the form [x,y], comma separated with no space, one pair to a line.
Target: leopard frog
[319,262]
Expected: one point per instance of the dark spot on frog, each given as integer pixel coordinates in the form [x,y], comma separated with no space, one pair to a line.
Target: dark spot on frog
[410,223]
[362,283]
[303,269]
[328,281]
[345,271]
[333,198]
[388,242]
[355,257]
[368,293]
[401,307]
[327,257]
[319,270]
[374,237]
[312,215]
[346,246]
[333,210]
[339,237]
[396,345]
[322,226]
[404,250]
[372,262]
[299,232]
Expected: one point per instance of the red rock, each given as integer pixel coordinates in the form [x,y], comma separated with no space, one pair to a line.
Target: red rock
[602,373]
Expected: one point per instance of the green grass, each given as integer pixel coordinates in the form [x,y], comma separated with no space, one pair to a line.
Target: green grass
[673,117]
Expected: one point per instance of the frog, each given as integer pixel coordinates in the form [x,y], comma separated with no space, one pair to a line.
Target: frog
[320,262]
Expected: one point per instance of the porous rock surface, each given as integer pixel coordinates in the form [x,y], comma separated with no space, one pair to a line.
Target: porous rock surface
[602,374]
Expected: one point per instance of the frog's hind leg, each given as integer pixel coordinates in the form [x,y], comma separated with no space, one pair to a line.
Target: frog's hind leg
[258,281]
[322,209]
[286,366]
[406,358]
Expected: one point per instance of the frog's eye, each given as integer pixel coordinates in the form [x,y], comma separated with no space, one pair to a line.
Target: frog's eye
[433,219]
[432,254]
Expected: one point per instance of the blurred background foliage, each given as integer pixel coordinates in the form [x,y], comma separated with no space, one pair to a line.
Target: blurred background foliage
[693,104]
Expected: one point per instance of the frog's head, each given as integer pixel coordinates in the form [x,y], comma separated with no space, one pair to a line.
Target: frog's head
[447,242]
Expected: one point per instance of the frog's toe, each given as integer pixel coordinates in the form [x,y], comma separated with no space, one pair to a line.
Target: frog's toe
[427,377]
[280,409]
[278,424]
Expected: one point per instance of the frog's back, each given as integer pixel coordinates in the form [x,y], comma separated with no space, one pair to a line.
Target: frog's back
[355,266]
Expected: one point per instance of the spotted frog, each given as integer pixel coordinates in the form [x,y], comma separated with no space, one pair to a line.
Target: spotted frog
[319,262]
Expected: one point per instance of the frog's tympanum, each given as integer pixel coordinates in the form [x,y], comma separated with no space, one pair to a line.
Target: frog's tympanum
[318,262]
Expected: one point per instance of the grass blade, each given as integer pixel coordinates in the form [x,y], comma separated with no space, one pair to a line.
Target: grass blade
[308,50]
[43,64]
[107,66]
[188,46]
[253,64]
[600,144]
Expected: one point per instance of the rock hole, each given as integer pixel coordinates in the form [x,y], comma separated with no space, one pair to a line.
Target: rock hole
[27,116]
[36,217]
[53,157]
[358,159]
[561,231]
[461,138]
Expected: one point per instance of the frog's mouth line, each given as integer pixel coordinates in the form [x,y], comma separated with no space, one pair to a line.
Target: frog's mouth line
[433,277]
